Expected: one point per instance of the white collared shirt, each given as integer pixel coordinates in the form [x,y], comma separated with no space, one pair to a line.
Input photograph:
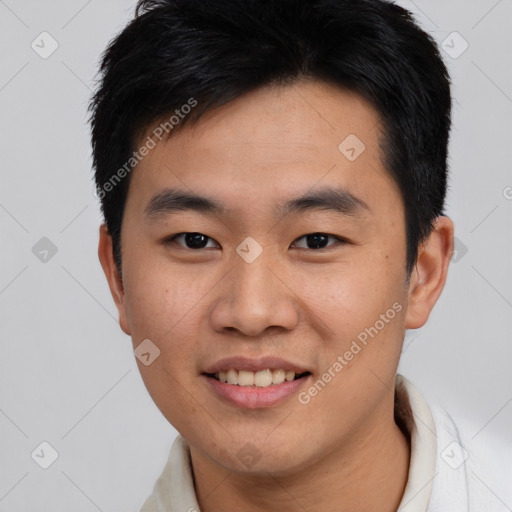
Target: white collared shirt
[444,474]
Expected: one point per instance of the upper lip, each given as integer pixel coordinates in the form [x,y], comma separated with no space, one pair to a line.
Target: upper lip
[254,365]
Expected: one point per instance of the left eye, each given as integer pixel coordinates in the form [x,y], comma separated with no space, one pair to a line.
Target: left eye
[315,241]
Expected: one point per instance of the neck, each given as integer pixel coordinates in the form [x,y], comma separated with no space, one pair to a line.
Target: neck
[367,474]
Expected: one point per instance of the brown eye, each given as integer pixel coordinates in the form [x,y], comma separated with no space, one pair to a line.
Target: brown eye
[193,240]
[316,241]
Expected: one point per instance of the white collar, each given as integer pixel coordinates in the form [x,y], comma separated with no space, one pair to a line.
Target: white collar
[422,464]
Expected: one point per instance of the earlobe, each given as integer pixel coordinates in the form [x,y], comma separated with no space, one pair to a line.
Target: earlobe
[106,257]
[430,272]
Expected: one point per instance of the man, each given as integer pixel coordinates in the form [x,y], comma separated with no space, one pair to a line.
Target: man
[272,176]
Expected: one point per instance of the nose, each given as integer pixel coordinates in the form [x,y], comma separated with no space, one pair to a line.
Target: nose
[255,297]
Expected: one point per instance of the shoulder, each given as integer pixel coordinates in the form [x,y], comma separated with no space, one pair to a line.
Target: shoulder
[472,464]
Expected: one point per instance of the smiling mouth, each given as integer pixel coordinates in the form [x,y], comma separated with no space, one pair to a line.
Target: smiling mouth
[261,379]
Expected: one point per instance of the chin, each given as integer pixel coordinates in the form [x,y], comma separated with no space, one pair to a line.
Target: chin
[276,461]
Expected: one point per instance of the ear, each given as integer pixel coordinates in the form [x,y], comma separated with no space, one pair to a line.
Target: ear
[106,256]
[429,274]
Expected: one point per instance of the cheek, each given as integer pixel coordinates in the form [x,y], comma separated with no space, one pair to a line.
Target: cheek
[164,307]
[161,299]
[349,297]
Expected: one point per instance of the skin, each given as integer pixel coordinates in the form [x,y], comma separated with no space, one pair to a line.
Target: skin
[302,304]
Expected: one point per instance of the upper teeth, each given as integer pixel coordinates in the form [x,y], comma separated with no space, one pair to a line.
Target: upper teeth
[262,378]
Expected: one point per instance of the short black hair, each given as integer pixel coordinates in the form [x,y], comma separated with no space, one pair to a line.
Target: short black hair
[177,53]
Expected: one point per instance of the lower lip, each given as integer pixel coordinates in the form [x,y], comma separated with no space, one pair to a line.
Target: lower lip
[253,397]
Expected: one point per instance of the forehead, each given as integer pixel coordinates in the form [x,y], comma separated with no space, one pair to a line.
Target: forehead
[278,140]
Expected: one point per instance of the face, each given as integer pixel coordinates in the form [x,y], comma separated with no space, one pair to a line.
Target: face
[265,245]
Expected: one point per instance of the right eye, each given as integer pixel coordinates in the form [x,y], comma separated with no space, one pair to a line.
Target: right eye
[193,241]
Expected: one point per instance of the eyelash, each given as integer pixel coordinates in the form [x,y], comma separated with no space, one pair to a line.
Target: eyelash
[339,240]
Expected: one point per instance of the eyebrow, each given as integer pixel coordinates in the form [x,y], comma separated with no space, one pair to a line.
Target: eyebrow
[337,199]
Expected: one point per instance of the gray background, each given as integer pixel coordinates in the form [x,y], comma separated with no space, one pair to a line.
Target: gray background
[67,372]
